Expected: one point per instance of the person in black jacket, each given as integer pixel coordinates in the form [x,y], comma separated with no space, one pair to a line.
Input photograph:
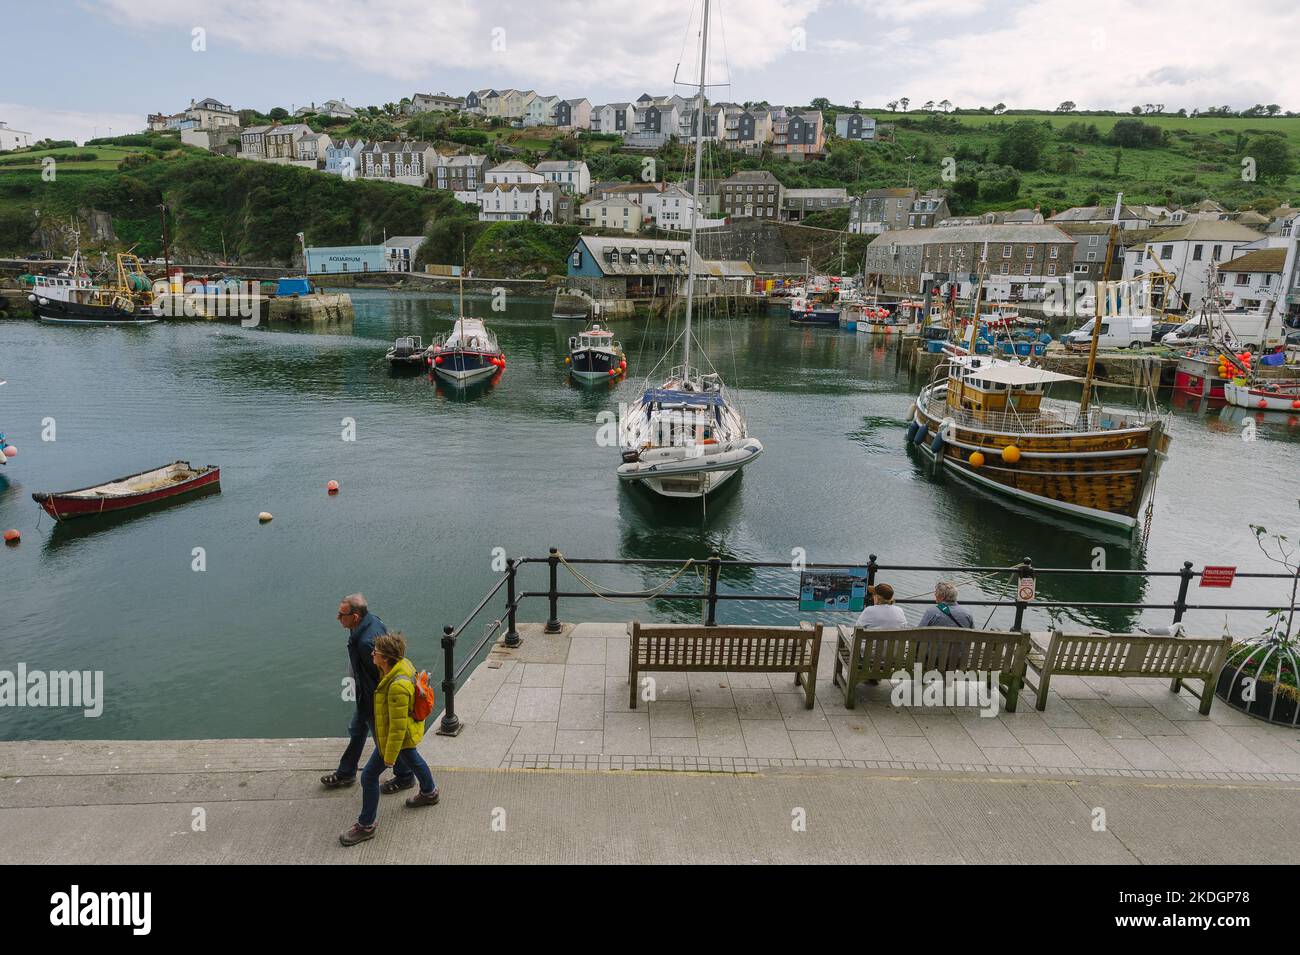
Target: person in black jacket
[362,626]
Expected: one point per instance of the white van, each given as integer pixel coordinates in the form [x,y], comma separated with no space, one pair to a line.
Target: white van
[1243,330]
[1117,331]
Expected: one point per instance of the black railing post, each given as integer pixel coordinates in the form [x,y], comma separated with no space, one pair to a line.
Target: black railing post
[715,563]
[512,634]
[1180,605]
[451,724]
[871,571]
[553,621]
[1024,571]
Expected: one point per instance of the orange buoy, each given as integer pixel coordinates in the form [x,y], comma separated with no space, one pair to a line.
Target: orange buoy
[332,487]
[1263,403]
[976,459]
[13,536]
[568,360]
[1296,404]
[1011,454]
[264,517]
[437,359]
[613,372]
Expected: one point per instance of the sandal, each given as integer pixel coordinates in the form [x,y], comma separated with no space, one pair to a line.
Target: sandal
[335,781]
[395,785]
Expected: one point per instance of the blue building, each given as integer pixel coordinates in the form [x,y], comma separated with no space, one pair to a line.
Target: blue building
[338,155]
[346,258]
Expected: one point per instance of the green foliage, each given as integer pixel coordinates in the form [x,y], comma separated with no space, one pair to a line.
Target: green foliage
[523,249]
[1273,159]
[1081,133]
[469,137]
[1022,144]
[1135,134]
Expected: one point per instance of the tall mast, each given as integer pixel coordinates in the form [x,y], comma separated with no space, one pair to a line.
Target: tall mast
[695,204]
[1103,287]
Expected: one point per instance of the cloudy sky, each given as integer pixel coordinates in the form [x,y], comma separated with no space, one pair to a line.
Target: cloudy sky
[83,68]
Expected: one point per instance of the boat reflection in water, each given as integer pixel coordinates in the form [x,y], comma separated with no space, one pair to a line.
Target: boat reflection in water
[988,530]
[70,533]
[470,391]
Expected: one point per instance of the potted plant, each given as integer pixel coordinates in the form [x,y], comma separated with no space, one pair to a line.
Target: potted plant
[1262,674]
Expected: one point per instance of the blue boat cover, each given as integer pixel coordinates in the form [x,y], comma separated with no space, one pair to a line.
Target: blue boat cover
[701,398]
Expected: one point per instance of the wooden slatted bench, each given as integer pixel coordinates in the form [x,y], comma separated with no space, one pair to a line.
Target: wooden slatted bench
[862,655]
[669,647]
[1131,654]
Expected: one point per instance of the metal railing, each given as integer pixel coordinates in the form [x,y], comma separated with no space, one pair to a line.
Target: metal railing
[711,596]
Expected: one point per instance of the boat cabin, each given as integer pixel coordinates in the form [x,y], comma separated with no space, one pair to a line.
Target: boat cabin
[982,387]
[594,337]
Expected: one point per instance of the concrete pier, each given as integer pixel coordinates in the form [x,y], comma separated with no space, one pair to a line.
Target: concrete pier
[552,766]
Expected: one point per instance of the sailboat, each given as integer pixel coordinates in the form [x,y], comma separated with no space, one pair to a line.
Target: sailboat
[988,421]
[686,438]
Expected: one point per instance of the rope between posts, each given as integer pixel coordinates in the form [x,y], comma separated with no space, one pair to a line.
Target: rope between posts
[600,592]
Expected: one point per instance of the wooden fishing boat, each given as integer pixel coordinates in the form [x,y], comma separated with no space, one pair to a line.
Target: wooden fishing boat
[134,490]
[987,420]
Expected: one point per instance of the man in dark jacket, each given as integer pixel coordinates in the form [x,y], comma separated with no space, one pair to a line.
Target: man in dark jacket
[362,626]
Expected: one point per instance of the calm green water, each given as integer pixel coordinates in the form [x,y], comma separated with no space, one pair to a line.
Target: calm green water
[434,482]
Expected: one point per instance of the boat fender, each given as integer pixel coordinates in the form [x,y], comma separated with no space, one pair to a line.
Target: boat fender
[922,434]
[631,457]
[911,412]
[937,444]
[946,428]
[912,428]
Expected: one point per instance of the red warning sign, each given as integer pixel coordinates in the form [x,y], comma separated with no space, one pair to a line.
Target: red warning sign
[1218,576]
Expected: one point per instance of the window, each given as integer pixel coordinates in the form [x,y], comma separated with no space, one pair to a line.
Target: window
[1092,256]
[1006,252]
[1029,251]
[1056,252]
[1242,278]
[1167,251]
[1217,250]
[1029,269]
[1092,239]
[1080,269]
[1196,253]
[577,259]
[1006,269]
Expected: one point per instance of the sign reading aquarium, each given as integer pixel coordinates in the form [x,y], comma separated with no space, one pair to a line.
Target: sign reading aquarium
[833,589]
[348,258]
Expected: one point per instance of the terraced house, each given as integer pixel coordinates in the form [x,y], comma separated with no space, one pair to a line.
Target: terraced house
[798,135]
[573,113]
[461,174]
[752,194]
[571,175]
[1018,256]
[857,126]
[501,202]
[879,210]
[409,163]
[746,130]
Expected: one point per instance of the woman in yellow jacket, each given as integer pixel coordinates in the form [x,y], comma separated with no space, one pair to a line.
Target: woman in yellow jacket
[396,737]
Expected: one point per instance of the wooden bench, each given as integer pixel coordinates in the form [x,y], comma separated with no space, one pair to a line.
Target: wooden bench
[1131,654]
[862,655]
[669,647]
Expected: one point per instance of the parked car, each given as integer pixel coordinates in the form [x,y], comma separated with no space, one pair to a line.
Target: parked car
[1117,331]
[1160,329]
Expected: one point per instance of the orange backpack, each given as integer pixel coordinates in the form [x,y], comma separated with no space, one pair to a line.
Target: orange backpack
[421,696]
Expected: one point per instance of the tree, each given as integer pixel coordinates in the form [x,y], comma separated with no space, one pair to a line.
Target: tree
[1135,134]
[1272,109]
[1021,145]
[929,106]
[904,100]
[857,104]
[999,109]
[1136,111]
[821,102]
[1066,107]
[1273,159]
[893,105]
[278,113]
[945,105]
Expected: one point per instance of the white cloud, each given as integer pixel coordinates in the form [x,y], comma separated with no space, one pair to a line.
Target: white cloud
[68,124]
[908,10]
[560,46]
[1121,54]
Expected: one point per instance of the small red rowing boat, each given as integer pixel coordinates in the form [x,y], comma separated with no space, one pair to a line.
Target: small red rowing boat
[171,480]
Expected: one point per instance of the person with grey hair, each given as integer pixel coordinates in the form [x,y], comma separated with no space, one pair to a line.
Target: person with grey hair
[363,627]
[946,612]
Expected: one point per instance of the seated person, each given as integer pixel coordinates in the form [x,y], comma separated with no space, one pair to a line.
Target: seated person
[881,614]
[947,612]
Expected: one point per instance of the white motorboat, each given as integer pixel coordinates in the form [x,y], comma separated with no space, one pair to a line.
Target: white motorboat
[468,353]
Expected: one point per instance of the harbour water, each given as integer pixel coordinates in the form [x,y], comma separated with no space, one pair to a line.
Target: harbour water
[436,482]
